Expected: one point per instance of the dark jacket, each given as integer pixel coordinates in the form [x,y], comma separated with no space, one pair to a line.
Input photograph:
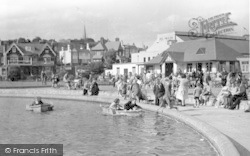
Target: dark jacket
[129,105]
[94,89]
[159,90]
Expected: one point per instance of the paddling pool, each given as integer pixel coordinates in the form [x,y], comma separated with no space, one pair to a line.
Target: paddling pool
[84,130]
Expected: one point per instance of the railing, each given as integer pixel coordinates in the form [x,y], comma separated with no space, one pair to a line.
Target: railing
[29,62]
[19,62]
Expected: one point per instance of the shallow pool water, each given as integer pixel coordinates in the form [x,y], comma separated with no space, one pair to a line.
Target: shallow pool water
[83,130]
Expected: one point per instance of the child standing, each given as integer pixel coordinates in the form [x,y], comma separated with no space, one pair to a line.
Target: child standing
[197,94]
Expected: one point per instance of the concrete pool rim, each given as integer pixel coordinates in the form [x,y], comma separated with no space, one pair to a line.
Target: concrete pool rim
[219,141]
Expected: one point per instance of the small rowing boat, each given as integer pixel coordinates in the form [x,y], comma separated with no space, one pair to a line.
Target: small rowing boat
[108,111]
[40,108]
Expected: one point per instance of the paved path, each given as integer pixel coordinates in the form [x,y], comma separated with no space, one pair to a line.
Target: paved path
[233,123]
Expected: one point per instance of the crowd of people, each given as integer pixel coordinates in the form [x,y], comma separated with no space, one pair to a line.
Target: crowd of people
[174,88]
[168,91]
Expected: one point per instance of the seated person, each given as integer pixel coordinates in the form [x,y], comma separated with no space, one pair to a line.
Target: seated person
[221,98]
[94,88]
[38,101]
[55,80]
[239,95]
[206,93]
[66,80]
[131,105]
[234,89]
[115,105]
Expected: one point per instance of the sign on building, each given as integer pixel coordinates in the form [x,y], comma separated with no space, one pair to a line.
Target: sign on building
[219,25]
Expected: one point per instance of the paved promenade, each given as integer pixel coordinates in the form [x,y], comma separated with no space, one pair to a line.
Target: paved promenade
[233,123]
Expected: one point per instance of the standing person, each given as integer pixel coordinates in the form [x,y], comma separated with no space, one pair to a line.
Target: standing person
[66,80]
[197,94]
[182,92]
[124,89]
[53,78]
[167,96]
[42,76]
[86,87]
[224,77]
[136,90]
[159,91]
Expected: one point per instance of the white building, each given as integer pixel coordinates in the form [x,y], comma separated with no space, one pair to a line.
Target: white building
[65,55]
[138,60]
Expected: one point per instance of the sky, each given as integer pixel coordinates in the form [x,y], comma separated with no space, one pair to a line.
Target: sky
[133,21]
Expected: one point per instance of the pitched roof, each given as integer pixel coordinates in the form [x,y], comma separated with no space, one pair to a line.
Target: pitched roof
[159,59]
[32,48]
[212,48]
[113,45]
[99,47]
[176,56]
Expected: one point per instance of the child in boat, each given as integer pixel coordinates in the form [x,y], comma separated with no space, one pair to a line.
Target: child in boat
[115,104]
[38,101]
[131,105]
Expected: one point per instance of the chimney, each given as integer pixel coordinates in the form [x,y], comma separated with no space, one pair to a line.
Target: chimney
[102,40]
[68,47]
[88,47]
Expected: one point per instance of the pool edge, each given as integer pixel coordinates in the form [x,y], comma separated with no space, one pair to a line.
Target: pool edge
[220,142]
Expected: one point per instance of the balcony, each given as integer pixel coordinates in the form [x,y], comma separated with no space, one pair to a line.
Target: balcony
[30,63]
[19,62]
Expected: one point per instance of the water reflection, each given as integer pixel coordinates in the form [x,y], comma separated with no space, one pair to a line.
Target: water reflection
[83,130]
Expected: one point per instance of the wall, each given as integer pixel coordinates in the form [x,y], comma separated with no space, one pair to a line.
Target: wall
[139,57]
[123,66]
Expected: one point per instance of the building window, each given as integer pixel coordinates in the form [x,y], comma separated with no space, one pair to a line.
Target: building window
[14,49]
[221,65]
[245,66]
[47,59]
[209,66]
[189,67]
[13,59]
[28,48]
[201,51]
[144,59]
[148,58]
[232,66]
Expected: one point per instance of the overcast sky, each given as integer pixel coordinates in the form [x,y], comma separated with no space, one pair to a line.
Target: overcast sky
[133,21]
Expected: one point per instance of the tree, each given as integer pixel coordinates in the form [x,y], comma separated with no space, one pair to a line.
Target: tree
[36,39]
[96,67]
[21,40]
[110,58]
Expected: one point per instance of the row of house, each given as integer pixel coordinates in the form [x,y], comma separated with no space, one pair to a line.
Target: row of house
[178,51]
[32,58]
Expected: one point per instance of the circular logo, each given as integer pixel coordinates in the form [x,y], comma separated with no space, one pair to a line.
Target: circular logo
[7,150]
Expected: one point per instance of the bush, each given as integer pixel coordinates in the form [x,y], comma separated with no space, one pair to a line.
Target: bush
[14,73]
[96,67]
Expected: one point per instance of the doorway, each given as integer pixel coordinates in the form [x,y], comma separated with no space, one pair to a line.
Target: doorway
[168,68]
[126,71]
[198,66]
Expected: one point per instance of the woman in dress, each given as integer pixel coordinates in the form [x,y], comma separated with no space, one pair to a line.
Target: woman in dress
[182,92]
